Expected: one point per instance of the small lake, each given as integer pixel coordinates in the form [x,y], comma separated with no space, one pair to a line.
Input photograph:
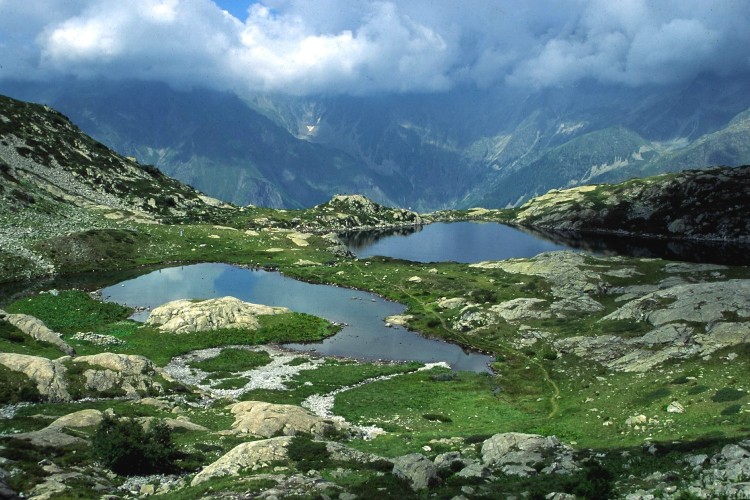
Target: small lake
[444,242]
[365,337]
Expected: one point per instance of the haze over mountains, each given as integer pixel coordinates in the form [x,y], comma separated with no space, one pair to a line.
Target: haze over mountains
[411,104]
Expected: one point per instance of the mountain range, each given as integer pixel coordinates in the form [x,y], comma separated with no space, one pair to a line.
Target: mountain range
[494,147]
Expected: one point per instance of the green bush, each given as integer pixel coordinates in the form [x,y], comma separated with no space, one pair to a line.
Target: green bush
[123,446]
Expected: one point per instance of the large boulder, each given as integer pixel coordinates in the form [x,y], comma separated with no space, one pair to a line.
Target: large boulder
[183,316]
[521,454]
[245,456]
[47,374]
[36,329]
[82,418]
[417,469]
[266,419]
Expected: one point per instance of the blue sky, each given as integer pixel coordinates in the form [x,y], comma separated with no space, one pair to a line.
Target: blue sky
[374,46]
[238,8]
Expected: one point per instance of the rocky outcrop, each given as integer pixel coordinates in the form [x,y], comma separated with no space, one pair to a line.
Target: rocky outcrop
[521,454]
[698,302]
[266,419]
[183,316]
[67,378]
[36,329]
[353,212]
[47,374]
[132,374]
[690,320]
[571,274]
[245,456]
[699,204]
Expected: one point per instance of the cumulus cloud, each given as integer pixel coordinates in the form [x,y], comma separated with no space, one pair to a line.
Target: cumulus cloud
[363,46]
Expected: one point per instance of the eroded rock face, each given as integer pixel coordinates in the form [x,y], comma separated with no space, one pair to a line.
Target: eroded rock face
[183,316]
[266,419]
[49,375]
[245,456]
[36,329]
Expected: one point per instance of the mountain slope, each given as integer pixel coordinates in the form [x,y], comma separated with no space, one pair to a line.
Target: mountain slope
[55,180]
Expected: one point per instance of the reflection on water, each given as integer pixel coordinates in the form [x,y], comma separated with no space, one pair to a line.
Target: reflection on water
[455,241]
[713,252]
[359,240]
[365,337]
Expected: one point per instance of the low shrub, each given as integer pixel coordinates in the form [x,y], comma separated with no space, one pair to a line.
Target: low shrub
[123,446]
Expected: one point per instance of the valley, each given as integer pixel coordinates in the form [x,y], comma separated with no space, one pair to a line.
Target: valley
[611,375]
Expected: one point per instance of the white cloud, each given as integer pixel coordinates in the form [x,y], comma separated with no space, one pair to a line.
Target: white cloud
[357,46]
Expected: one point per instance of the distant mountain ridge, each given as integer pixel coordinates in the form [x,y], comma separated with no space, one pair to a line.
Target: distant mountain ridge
[464,148]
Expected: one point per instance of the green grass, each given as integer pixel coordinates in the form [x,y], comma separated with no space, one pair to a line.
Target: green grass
[332,375]
[463,406]
[71,311]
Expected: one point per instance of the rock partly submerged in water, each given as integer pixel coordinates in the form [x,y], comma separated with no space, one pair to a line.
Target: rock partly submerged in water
[184,316]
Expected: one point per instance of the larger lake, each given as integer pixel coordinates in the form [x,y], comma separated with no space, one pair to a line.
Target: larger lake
[365,336]
[444,242]
[478,241]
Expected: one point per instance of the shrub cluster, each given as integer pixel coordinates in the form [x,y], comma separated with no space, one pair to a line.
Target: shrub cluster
[123,446]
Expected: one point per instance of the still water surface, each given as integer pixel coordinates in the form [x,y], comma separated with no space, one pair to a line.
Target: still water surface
[365,337]
[455,241]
